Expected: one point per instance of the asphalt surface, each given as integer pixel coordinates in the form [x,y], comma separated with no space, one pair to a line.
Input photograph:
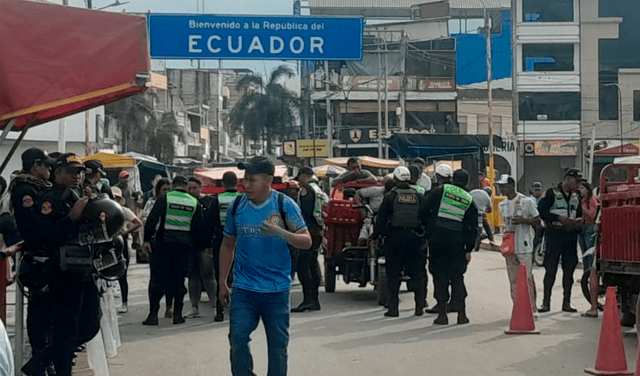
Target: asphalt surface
[350,335]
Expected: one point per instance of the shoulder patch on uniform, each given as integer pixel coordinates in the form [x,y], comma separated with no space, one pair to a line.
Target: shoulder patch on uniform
[27,201]
[303,191]
[46,208]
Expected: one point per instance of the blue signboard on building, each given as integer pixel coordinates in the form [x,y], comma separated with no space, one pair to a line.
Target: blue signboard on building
[255,37]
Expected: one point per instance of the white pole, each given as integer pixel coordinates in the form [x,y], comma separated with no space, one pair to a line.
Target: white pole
[591,152]
[328,103]
[379,105]
[386,93]
[220,101]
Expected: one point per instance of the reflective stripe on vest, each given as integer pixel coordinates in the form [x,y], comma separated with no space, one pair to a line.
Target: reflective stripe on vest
[224,199]
[319,202]
[181,207]
[418,188]
[454,203]
[562,207]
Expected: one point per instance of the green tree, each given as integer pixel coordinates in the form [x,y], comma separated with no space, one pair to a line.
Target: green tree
[141,130]
[266,109]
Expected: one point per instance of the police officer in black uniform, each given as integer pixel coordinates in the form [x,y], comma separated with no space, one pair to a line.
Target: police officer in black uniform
[26,189]
[177,216]
[221,204]
[76,312]
[401,220]
[311,199]
[561,211]
[95,172]
[452,231]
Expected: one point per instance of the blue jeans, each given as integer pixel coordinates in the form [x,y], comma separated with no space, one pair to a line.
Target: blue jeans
[246,309]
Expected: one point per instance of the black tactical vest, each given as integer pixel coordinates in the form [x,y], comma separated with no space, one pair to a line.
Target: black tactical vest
[406,208]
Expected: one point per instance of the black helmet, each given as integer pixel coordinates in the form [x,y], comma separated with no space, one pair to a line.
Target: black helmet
[101,220]
[109,260]
[34,273]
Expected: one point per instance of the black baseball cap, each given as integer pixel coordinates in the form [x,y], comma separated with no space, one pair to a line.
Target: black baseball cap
[94,165]
[35,155]
[70,161]
[573,172]
[305,171]
[258,165]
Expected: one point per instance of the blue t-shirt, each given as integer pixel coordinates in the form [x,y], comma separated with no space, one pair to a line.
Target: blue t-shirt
[262,263]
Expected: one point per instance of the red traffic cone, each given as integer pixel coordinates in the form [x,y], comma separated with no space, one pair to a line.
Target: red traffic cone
[611,358]
[522,314]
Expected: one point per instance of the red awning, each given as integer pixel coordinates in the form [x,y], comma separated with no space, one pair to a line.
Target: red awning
[56,61]
[616,151]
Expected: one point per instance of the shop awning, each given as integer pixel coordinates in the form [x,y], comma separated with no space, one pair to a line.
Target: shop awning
[57,60]
[411,145]
[617,151]
[112,160]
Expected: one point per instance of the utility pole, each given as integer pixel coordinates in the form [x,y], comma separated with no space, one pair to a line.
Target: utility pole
[62,123]
[328,104]
[403,77]
[379,101]
[87,116]
[487,23]
[386,92]
[219,119]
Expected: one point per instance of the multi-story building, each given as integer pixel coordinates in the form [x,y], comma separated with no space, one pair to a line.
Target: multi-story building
[547,85]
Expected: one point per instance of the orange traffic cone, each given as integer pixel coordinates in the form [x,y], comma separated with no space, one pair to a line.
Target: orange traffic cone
[611,358]
[637,373]
[522,315]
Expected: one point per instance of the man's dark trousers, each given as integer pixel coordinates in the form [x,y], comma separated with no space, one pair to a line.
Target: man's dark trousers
[405,251]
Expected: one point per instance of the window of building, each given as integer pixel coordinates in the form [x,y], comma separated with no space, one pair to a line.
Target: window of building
[547,10]
[549,106]
[636,105]
[550,57]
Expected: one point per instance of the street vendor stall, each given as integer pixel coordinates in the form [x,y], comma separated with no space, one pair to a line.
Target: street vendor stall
[364,161]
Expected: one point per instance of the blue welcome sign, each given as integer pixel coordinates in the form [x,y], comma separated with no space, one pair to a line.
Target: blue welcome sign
[255,37]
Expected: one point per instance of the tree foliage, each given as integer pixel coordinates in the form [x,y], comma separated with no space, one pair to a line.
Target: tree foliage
[142,130]
[266,109]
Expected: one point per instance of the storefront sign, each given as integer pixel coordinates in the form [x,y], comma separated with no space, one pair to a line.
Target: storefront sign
[370,83]
[289,148]
[437,84]
[312,148]
[556,148]
[362,135]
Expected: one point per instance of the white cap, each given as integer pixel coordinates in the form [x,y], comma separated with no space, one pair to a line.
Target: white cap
[444,170]
[505,179]
[401,173]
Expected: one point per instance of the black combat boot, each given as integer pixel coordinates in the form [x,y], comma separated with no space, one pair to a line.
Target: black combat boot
[315,301]
[566,303]
[442,318]
[36,365]
[419,298]
[546,300]
[462,314]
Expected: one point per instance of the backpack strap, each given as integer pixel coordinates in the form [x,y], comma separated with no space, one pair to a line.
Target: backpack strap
[236,203]
[281,209]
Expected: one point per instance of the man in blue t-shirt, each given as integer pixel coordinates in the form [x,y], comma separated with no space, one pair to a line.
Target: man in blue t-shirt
[256,230]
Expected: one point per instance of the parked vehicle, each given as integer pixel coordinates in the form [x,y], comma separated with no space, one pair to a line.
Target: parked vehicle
[342,255]
[618,245]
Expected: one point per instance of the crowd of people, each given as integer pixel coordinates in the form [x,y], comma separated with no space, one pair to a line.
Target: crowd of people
[62,209]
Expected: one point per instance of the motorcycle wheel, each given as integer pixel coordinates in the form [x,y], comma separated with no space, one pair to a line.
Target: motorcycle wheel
[329,275]
[381,285]
[586,291]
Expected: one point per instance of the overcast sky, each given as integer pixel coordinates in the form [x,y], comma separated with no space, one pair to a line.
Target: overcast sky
[239,7]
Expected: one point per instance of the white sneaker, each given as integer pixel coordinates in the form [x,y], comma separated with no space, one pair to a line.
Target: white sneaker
[193,313]
[123,308]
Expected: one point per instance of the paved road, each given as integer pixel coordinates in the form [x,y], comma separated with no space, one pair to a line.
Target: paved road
[350,336]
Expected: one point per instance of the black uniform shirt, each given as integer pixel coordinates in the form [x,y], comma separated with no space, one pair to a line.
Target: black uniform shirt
[386,210]
[438,235]
[210,221]
[25,192]
[51,214]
